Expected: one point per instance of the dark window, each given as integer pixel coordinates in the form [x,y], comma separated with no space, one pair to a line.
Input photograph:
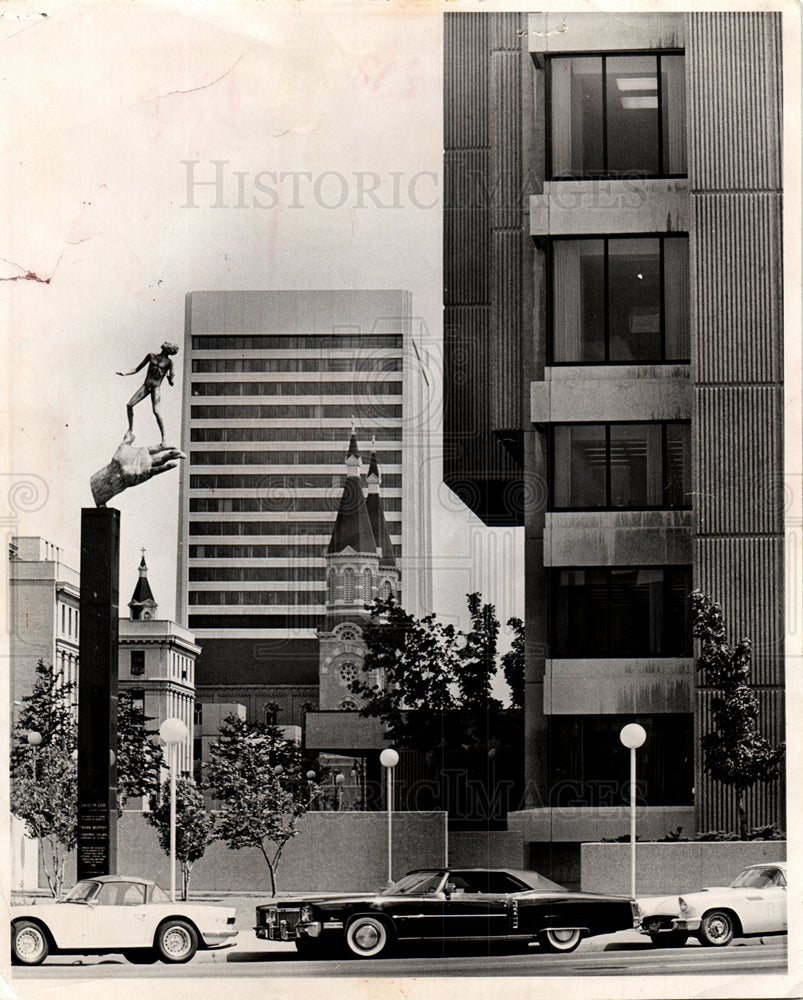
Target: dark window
[262,598]
[591,768]
[294,411]
[331,457]
[221,622]
[621,466]
[286,433]
[293,342]
[620,612]
[294,388]
[285,527]
[620,301]
[617,116]
[205,574]
[371,364]
[286,551]
[198,714]
[137,661]
[306,480]
[284,500]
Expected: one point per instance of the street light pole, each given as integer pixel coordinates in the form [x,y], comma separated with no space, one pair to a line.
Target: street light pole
[389,759]
[173,731]
[633,736]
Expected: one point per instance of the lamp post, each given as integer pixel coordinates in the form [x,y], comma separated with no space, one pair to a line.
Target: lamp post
[34,740]
[339,779]
[173,731]
[311,776]
[389,759]
[633,736]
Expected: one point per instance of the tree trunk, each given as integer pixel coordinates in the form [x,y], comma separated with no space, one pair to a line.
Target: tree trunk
[741,809]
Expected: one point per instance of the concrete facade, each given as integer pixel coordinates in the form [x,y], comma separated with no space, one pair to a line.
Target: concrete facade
[664,869]
[530,257]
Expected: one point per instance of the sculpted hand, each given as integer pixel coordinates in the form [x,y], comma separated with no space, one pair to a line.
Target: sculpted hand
[131,466]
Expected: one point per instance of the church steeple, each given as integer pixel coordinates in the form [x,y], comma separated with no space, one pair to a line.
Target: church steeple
[142,604]
[352,528]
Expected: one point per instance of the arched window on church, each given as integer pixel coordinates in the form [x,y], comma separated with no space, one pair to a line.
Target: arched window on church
[387,589]
[367,585]
[348,585]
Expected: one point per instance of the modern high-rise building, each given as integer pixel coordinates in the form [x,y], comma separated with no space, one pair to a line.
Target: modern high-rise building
[613,382]
[274,382]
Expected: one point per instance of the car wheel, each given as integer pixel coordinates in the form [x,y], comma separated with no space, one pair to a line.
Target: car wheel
[28,943]
[176,941]
[670,939]
[560,939]
[716,928]
[368,937]
[140,956]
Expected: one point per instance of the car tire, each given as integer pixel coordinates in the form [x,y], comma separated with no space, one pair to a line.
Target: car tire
[368,937]
[29,943]
[176,941]
[558,939]
[717,929]
[670,939]
[140,956]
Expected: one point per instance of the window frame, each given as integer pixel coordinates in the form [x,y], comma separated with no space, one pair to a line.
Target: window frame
[607,425]
[556,649]
[605,239]
[605,174]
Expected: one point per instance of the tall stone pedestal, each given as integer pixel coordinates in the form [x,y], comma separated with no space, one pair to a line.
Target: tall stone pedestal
[97,692]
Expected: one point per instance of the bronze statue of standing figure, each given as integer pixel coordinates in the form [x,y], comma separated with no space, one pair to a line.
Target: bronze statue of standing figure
[159,366]
[131,465]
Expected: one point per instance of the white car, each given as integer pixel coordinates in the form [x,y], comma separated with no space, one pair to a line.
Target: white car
[115,913]
[753,905]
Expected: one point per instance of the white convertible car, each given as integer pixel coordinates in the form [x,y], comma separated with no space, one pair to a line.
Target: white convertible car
[115,913]
[753,905]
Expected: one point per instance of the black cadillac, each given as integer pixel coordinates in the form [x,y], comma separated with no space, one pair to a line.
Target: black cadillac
[436,904]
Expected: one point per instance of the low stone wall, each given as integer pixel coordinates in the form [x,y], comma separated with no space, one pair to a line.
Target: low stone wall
[670,867]
[335,851]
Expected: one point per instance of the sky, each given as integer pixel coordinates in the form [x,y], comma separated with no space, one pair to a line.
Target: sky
[159,148]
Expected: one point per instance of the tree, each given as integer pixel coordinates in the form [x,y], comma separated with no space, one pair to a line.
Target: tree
[734,753]
[256,775]
[44,785]
[417,662]
[139,758]
[194,825]
[513,663]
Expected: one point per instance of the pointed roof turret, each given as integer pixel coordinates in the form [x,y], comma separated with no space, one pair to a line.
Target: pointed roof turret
[376,513]
[142,603]
[352,525]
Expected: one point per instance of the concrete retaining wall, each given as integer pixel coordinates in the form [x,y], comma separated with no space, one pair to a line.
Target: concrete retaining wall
[335,851]
[667,868]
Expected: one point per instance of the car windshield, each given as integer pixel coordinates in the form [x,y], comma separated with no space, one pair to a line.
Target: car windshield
[758,878]
[81,892]
[158,895]
[414,884]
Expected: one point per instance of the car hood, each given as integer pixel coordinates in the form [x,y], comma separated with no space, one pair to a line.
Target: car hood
[293,902]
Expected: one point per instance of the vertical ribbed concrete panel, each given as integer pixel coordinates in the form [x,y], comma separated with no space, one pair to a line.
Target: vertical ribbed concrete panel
[733,63]
[484,251]
[736,258]
[735,102]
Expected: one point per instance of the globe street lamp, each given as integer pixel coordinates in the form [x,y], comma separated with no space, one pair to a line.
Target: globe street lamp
[311,776]
[633,736]
[173,731]
[389,759]
[34,740]
[339,779]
